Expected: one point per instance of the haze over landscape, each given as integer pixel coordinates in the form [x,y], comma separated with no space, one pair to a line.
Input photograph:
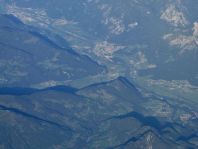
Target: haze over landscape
[98,74]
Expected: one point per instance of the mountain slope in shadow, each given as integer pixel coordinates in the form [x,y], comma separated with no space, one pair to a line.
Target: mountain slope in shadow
[104,115]
[30,59]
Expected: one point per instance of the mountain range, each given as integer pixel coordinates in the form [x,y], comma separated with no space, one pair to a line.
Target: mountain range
[97,74]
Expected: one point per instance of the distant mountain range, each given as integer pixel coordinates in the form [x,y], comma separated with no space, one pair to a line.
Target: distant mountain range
[97,74]
[106,115]
[31,59]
